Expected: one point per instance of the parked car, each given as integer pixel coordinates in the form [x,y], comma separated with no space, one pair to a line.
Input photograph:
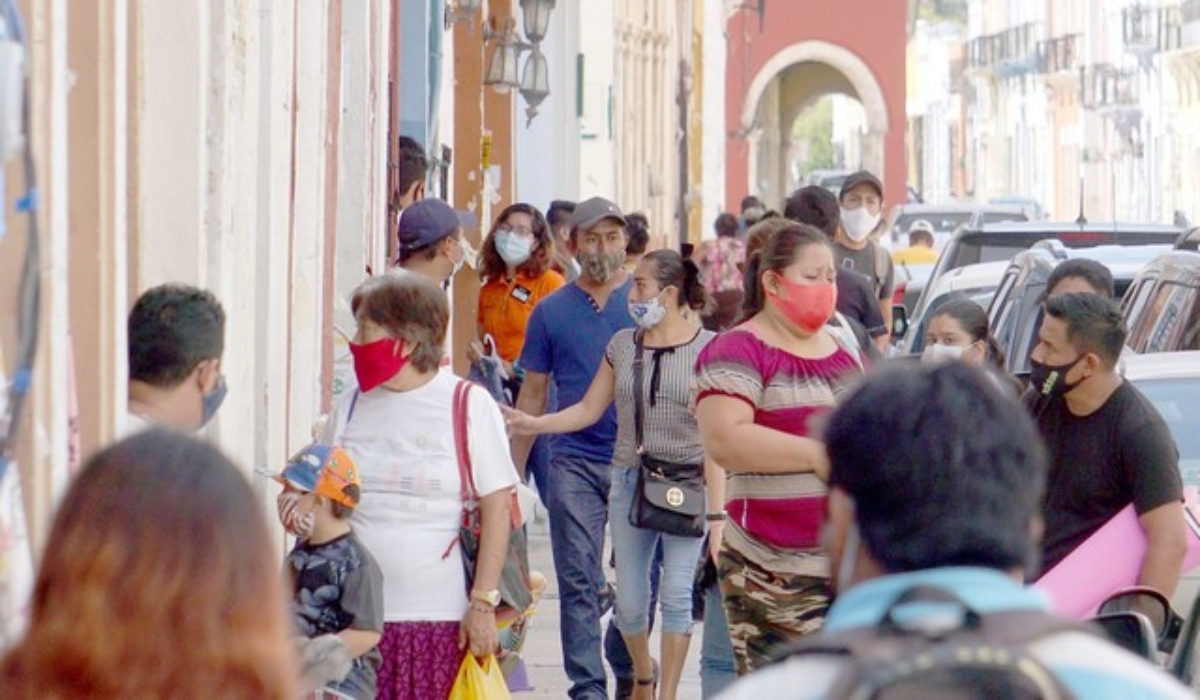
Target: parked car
[1162,308]
[1015,313]
[992,242]
[829,179]
[1171,381]
[975,282]
[1032,206]
[947,218]
[1189,240]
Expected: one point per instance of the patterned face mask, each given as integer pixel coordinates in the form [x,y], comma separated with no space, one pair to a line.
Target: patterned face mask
[295,522]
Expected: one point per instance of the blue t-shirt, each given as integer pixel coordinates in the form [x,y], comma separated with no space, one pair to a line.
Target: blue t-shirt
[566,338]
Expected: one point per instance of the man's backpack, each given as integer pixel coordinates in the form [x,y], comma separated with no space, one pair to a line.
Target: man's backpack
[947,651]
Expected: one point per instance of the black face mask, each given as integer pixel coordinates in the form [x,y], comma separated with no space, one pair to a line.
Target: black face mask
[1051,380]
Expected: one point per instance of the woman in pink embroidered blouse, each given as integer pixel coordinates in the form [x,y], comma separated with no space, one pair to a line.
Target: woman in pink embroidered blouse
[759,391]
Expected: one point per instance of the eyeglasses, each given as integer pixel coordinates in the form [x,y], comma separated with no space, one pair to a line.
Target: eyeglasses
[522,231]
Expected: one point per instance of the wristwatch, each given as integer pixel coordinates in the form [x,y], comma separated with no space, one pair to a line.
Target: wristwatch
[491,597]
[718,517]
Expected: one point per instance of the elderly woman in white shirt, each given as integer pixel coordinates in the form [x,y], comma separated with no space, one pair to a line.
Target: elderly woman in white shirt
[399,429]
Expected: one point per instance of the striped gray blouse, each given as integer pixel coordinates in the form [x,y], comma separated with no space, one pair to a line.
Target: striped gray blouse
[669,427]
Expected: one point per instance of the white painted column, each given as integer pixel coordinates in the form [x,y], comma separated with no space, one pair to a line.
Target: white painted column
[308,215]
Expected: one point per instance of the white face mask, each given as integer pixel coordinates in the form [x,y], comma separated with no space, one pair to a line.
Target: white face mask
[938,353]
[859,223]
[295,522]
[647,314]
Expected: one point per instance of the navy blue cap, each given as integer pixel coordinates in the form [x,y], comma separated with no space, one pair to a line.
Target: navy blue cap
[425,223]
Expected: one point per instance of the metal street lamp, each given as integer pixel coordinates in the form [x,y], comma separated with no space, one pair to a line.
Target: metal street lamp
[501,71]
[535,81]
[535,15]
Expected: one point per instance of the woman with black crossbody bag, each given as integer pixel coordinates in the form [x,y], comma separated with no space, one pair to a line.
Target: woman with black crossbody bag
[659,475]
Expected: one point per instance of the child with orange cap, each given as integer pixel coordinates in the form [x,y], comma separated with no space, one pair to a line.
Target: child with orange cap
[337,585]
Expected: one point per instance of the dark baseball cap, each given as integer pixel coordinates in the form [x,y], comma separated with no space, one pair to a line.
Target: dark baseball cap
[862,177]
[425,223]
[592,211]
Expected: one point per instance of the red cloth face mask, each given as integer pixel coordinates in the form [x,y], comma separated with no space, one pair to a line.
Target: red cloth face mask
[806,306]
[377,362]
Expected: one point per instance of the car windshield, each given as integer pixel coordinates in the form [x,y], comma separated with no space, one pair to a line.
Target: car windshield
[1178,400]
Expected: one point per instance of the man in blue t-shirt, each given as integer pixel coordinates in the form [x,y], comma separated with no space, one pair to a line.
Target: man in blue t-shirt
[564,343]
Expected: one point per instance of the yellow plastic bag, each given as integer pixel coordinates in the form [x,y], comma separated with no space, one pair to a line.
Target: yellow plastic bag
[475,682]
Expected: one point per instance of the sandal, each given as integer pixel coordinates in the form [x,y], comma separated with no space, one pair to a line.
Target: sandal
[652,682]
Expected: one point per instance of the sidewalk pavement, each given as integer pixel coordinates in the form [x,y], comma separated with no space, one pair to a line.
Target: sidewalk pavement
[543,651]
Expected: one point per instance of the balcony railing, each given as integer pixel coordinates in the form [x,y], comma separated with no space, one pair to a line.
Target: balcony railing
[1109,88]
[1012,51]
[1057,55]
[1148,30]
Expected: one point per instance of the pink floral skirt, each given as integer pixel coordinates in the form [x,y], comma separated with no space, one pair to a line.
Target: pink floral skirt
[420,660]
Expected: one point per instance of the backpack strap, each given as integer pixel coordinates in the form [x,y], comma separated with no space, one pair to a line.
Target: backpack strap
[882,259]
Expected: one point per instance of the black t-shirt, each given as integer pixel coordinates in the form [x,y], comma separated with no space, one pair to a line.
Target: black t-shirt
[856,301]
[337,585]
[1123,453]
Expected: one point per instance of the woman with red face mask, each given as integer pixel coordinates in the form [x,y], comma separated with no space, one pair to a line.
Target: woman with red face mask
[399,429]
[761,389]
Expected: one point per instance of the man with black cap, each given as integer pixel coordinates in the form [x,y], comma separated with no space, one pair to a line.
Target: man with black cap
[565,342]
[430,241]
[861,202]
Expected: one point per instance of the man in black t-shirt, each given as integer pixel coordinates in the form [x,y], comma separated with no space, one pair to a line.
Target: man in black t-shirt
[1108,445]
[816,206]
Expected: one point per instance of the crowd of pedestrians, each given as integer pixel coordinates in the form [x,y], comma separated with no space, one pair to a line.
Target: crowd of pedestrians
[719,414]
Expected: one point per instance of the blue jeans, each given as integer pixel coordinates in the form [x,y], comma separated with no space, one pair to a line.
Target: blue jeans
[537,467]
[634,548]
[578,508]
[614,644]
[717,666]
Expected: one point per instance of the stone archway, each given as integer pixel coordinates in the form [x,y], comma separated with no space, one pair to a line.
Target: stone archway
[793,77]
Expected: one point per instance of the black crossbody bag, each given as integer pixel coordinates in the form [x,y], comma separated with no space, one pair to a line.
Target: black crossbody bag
[669,496]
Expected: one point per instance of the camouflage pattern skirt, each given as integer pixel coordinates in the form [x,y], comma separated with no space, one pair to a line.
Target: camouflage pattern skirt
[772,596]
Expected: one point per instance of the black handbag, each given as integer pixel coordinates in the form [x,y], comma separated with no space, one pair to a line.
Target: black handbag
[669,497]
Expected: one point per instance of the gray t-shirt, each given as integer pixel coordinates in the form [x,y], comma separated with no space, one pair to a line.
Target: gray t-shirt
[872,261]
[669,429]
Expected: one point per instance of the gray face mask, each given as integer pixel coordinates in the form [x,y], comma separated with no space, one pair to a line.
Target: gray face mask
[601,267]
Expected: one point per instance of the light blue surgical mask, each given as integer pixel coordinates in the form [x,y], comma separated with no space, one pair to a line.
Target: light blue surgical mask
[213,401]
[513,249]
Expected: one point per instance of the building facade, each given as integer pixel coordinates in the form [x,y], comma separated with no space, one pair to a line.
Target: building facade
[1086,106]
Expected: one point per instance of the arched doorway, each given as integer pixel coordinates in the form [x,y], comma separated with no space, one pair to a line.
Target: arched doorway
[788,84]
[782,58]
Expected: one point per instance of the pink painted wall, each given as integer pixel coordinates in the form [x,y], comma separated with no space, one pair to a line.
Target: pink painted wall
[875,30]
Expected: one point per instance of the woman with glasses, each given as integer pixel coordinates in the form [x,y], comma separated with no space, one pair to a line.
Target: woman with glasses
[515,266]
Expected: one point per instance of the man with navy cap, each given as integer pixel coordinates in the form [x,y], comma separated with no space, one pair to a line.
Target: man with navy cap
[429,238]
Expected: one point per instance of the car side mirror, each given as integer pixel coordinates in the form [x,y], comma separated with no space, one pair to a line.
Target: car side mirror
[1131,631]
[899,321]
[1151,603]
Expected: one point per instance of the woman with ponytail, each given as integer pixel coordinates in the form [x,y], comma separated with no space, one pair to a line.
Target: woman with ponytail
[758,389]
[664,284]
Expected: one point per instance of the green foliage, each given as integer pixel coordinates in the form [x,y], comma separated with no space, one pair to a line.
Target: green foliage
[814,126]
[954,11]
